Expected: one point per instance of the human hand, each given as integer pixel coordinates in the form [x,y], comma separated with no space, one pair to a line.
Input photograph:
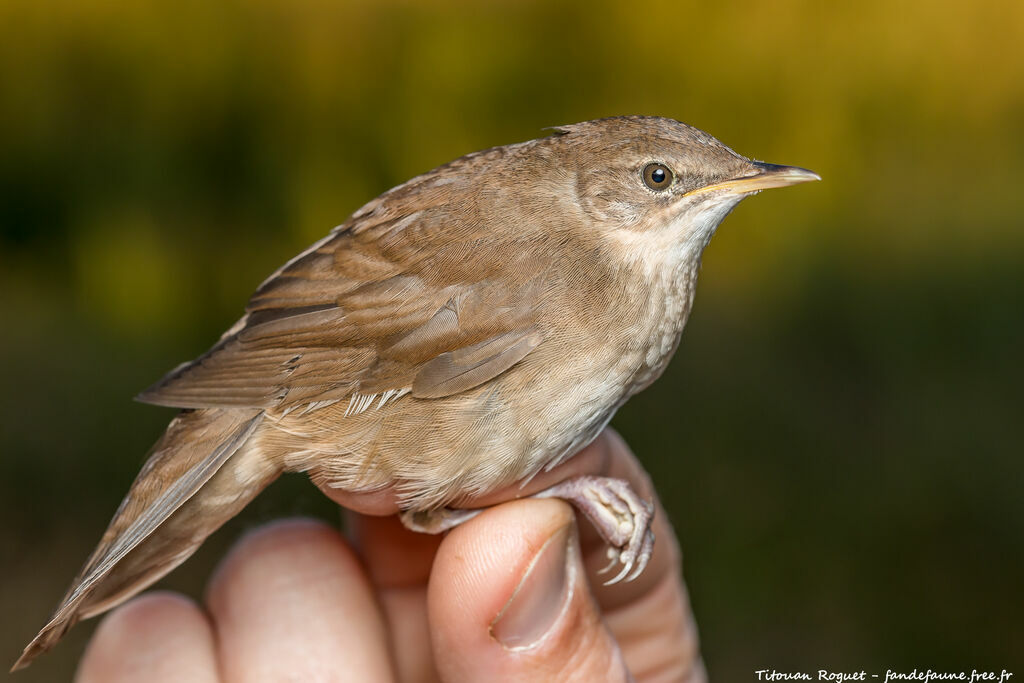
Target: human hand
[512,594]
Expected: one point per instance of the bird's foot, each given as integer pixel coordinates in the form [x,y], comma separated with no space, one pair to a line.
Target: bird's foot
[618,513]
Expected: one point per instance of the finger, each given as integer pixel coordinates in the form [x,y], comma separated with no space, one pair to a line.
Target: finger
[650,617]
[158,637]
[394,557]
[290,602]
[607,456]
[508,600]
[398,562]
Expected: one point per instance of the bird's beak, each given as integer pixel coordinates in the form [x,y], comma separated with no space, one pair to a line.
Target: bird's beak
[763,177]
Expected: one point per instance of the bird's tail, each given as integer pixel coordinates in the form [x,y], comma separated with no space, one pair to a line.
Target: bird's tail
[203,470]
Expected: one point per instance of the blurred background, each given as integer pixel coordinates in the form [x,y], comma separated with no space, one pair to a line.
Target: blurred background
[838,440]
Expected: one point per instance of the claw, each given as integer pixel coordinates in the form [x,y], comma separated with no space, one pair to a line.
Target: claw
[613,559]
[618,577]
[644,557]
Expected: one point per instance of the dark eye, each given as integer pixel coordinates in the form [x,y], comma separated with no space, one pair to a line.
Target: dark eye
[657,176]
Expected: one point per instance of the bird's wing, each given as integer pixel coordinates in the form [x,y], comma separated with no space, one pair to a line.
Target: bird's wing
[392,301]
[164,517]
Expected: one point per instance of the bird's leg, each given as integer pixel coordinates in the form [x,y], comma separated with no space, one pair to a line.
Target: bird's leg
[620,515]
[435,521]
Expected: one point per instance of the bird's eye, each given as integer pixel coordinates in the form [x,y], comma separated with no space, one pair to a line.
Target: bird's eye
[657,176]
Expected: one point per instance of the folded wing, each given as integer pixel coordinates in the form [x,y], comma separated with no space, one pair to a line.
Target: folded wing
[383,304]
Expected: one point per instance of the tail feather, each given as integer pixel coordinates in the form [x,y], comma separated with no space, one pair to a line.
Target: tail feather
[199,475]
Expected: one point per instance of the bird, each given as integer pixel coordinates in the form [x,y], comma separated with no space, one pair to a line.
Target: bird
[456,336]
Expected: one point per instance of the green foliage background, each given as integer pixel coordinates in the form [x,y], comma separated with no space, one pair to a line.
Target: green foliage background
[838,440]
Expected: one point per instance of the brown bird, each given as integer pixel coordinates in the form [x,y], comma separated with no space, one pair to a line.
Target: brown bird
[457,335]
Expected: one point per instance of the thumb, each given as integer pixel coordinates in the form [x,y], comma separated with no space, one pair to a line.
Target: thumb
[508,600]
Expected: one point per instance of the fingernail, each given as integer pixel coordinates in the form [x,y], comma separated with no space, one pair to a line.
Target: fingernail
[541,595]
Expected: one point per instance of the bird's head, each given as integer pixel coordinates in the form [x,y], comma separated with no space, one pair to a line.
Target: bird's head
[655,180]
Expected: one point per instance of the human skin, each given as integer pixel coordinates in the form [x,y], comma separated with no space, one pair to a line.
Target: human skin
[512,594]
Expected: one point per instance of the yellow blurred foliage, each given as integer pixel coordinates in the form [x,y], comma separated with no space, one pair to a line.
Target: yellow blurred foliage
[912,111]
[127,275]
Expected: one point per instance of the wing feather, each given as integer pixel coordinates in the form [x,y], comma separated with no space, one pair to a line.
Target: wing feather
[169,511]
[456,371]
[373,307]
